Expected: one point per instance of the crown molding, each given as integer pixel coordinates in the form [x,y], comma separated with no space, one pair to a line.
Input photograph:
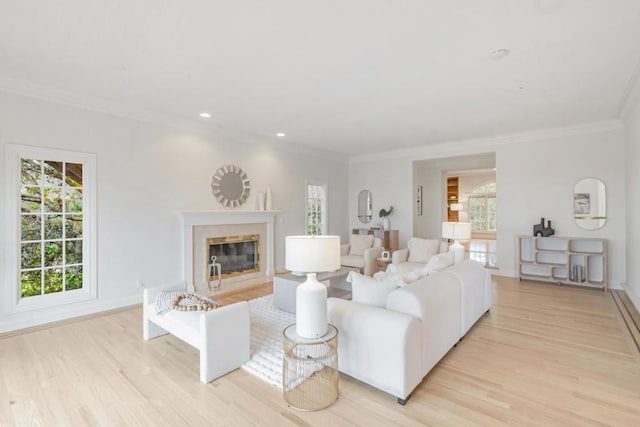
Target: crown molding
[631,95]
[483,145]
[211,128]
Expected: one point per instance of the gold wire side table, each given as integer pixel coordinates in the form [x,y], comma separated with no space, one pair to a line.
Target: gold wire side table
[310,369]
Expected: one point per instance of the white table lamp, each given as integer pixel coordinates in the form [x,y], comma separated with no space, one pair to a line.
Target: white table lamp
[312,254]
[456,231]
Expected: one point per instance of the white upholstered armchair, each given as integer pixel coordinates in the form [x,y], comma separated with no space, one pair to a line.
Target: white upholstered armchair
[361,253]
[417,253]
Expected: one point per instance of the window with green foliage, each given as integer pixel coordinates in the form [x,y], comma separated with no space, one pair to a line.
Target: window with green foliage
[53,247]
[316,208]
[50,227]
[482,208]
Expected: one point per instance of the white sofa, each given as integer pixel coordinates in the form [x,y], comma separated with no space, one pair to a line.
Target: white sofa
[393,348]
[222,335]
[417,253]
[365,261]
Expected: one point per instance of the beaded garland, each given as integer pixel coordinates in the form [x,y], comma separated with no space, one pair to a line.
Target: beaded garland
[200,303]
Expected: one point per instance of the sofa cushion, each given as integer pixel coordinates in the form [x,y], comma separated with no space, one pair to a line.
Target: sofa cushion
[439,262]
[400,278]
[367,290]
[360,243]
[421,250]
[356,261]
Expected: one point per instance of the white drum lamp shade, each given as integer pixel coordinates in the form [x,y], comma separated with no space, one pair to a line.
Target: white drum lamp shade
[312,254]
[456,231]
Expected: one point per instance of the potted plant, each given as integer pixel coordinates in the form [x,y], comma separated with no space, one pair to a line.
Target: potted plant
[384,214]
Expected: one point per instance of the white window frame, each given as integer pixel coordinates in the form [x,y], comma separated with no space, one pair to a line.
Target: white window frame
[13,227]
[486,197]
[324,207]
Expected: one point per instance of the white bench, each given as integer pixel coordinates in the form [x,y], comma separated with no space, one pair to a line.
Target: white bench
[222,335]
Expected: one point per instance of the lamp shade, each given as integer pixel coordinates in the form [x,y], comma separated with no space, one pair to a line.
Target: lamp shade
[312,254]
[456,230]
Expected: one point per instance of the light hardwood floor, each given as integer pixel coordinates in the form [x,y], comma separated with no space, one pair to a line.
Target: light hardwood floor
[545,355]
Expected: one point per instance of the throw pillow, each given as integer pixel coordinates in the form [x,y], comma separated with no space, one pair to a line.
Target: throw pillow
[399,278]
[439,262]
[367,290]
[421,250]
[360,243]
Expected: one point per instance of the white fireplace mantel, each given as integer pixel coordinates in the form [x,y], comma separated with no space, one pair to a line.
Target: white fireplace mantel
[191,219]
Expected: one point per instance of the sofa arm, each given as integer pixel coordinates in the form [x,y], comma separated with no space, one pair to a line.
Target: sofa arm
[400,256]
[378,346]
[370,255]
[225,339]
[344,249]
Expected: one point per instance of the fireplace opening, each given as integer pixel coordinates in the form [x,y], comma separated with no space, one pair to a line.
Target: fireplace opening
[236,255]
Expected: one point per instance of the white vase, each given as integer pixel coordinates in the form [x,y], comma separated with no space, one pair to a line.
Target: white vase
[385,223]
[260,201]
[268,203]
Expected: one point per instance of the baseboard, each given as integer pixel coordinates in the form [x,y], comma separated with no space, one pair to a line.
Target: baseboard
[24,321]
[635,299]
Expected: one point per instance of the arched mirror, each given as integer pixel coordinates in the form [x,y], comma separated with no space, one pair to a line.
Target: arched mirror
[365,206]
[230,186]
[590,203]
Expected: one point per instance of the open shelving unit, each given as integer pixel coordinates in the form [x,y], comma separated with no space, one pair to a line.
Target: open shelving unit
[452,197]
[564,260]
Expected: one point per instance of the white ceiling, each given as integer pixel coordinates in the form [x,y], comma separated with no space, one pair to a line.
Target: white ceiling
[346,76]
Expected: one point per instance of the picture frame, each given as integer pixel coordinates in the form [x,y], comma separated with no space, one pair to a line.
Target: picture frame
[386,255]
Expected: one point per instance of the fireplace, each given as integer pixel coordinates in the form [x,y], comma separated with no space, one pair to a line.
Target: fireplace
[237,255]
[199,226]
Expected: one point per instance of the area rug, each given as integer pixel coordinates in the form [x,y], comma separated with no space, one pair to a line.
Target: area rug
[267,324]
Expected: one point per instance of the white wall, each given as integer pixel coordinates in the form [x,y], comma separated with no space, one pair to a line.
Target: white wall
[632,156]
[147,174]
[535,178]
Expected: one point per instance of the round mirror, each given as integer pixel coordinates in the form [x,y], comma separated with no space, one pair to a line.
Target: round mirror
[590,203]
[365,206]
[230,186]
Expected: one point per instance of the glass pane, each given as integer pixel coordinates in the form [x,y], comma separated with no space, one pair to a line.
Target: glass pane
[477,213]
[73,226]
[73,174]
[52,227]
[73,277]
[31,255]
[52,199]
[30,283]
[53,173]
[52,280]
[491,208]
[52,254]
[31,198]
[30,171]
[74,252]
[30,229]
[73,199]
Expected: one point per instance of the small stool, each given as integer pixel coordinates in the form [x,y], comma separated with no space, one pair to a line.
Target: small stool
[215,268]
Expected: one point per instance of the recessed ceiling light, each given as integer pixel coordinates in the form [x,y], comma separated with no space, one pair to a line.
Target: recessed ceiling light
[499,54]
[205,115]
[281,134]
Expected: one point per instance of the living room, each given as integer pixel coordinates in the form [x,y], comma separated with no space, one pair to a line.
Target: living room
[361,94]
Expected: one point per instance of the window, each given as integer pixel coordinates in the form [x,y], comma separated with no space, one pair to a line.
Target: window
[482,208]
[316,208]
[53,248]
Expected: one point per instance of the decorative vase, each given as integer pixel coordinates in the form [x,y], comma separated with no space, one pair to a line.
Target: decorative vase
[268,202]
[260,201]
[385,223]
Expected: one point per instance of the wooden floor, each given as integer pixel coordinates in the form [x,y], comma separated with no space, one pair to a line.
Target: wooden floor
[545,355]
